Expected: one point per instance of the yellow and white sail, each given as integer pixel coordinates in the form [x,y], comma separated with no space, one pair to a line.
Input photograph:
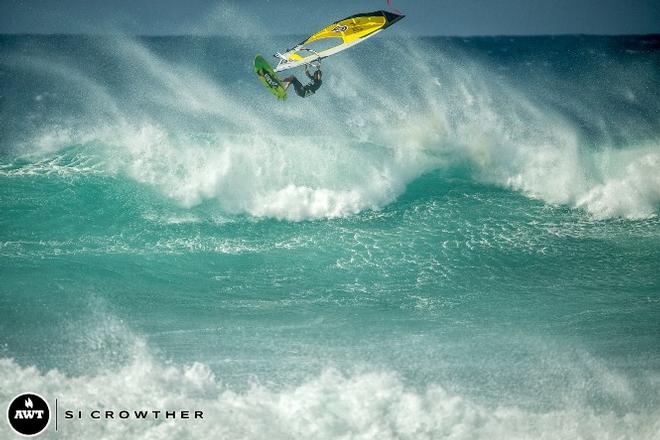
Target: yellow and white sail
[339,36]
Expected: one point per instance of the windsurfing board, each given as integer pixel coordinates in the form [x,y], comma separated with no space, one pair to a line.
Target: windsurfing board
[269,78]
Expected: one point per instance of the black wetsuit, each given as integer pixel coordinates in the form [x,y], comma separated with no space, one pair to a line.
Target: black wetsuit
[309,89]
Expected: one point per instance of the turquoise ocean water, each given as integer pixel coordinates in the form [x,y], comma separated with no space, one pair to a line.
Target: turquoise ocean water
[455,238]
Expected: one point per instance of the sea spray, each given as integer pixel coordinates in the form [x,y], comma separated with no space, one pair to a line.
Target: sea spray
[459,242]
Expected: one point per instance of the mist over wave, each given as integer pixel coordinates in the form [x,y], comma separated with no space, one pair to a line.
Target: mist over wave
[192,122]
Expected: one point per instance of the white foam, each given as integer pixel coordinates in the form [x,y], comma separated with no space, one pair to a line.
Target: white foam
[370,405]
[372,135]
[634,192]
[292,177]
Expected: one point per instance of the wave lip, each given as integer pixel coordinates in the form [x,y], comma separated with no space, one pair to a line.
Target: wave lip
[198,132]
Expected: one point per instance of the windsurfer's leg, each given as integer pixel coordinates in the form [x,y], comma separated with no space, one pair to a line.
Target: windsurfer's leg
[287,81]
[300,90]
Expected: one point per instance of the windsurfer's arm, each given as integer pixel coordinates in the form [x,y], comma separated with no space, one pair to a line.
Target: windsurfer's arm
[310,76]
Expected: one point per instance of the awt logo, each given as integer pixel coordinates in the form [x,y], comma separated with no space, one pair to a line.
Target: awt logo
[28,414]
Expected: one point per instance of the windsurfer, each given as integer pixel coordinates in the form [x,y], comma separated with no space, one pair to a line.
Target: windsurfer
[304,90]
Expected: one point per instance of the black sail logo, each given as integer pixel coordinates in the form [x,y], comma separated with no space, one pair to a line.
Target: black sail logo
[28,414]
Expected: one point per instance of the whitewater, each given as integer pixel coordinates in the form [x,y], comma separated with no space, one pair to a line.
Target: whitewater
[462,242]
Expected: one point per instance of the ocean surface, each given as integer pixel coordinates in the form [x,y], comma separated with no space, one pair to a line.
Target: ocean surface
[455,238]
